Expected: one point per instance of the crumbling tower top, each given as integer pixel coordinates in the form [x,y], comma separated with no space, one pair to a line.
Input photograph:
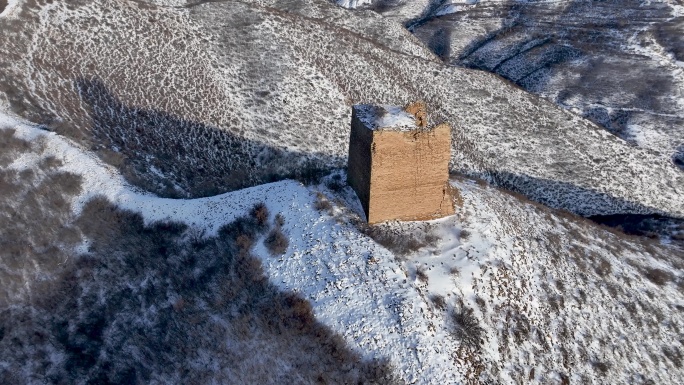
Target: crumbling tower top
[394,118]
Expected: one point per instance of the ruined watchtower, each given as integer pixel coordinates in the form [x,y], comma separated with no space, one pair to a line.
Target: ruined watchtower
[397,165]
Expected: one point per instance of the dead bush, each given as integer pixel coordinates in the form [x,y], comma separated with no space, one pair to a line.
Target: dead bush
[518,326]
[253,267]
[179,304]
[603,268]
[658,276]
[299,311]
[481,303]
[674,355]
[131,265]
[49,163]
[10,145]
[83,308]
[279,220]
[467,328]
[244,242]
[260,213]
[421,274]
[336,183]
[438,301]
[322,203]
[276,242]
[601,367]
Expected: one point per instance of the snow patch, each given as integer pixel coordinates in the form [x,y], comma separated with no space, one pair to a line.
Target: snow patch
[12,9]
[385,116]
[352,4]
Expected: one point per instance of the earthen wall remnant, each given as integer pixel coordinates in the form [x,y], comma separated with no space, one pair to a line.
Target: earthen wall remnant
[397,165]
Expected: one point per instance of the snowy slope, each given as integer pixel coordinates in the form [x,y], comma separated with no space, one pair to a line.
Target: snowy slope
[614,62]
[242,93]
[11,8]
[555,297]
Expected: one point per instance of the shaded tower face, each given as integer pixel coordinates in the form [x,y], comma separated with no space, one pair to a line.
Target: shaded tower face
[398,166]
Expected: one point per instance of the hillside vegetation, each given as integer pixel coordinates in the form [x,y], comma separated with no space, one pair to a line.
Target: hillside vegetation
[193,100]
[506,291]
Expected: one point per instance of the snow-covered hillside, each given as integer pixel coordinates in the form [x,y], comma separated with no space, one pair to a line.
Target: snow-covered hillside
[155,229]
[552,297]
[209,97]
[618,63]
[507,291]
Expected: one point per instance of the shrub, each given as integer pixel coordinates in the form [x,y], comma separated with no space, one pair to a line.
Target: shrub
[481,303]
[421,274]
[674,355]
[601,367]
[310,174]
[658,276]
[466,328]
[260,214]
[279,220]
[244,242]
[276,242]
[335,183]
[179,304]
[322,203]
[49,162]
[299,312]
[195,236]
[81,305]
[604,268]
[438,301]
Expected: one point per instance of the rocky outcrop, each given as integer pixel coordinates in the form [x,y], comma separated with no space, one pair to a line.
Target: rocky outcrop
[399,171]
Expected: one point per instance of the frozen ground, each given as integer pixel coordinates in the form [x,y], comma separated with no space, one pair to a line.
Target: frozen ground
[511,291]
[190,101]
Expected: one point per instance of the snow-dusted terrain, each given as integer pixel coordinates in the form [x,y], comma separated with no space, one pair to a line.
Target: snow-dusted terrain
[618,63]
[555,298]
[138,140]
[260,90]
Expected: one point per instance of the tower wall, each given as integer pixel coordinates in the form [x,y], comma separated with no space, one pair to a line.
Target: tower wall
[409,175]
[359,160]
[400,174]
